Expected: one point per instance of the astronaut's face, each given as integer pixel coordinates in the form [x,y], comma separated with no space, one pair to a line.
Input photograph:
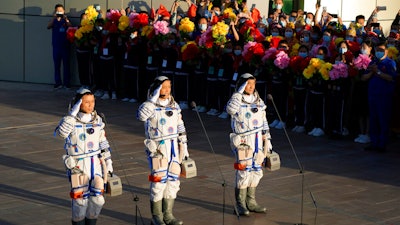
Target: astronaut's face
[88,103]
[250,87]
[165,91]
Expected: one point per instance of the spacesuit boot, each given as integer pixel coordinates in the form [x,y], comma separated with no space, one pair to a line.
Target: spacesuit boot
[90,221]
[240,195]
[169,219]
[82,222]
[251,201]
[156,212]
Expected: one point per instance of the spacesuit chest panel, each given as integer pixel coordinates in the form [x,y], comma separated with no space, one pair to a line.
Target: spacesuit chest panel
[86,139]
[249,118]
[164,124]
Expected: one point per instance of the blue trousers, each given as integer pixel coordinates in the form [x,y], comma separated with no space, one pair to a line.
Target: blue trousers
[380,108]
[61,54]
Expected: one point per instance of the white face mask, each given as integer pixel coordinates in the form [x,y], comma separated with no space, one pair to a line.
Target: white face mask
[203,26]
[343,50]
[279,6]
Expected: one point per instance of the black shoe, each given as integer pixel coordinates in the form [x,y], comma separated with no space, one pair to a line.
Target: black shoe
[57,86]
[371,148]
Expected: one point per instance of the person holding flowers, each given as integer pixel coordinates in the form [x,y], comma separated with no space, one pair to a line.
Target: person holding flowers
[317,73]
[339,91]
[297,65]
[360,93]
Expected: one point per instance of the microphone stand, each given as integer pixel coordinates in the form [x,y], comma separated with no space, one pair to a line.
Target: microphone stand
[297,159]
[135,197]
[193,104]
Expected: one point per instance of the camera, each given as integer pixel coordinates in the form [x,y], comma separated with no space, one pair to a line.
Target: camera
[381,8]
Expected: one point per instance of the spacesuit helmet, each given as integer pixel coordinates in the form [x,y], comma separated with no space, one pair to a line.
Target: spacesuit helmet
[243,79]
[155,85]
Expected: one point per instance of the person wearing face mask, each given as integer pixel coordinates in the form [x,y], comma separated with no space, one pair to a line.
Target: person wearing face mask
[59,24]
[201,28]
[87,159]
[298,64]
[338,96]
[279,90]
[224,77]
[279,8]
[166,148]
[381,74]
[360,98]
[316,101]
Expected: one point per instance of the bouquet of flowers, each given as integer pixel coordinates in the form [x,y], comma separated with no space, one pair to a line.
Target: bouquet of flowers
[138,20]
[253,53]
[189,52]
[250,32]
[362,62]
[393,52]
[71,34]
[219,32]
[148,32]
[206,40]
[282,60]
[339,70]
[84,33]
[186,27]
[161,30]
[298,64]
[319,68]
[112,19]
[228,13]
[123,23]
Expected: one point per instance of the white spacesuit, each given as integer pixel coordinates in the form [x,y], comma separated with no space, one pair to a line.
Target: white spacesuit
[250,136]
[166,147]
[87,159]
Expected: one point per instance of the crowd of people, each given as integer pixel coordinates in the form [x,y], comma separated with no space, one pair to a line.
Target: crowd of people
[311,63]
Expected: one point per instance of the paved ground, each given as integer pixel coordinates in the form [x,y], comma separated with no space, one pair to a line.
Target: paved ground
[350,186]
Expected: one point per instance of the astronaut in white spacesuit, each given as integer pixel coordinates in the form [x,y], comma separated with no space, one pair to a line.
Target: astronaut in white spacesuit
[87,159]
[249,138]
[166,147]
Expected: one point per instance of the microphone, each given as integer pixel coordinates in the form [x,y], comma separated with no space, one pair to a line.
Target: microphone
[193,104]
[269,97]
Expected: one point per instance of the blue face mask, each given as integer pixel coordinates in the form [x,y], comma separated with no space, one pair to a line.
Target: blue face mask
[298,29]
[274,34]
[237,52]
[261,29]
[359,40]
[288,34]
[320,57]
[379,55]
[308,21]
[390,45]
[377,31]
[349,38]
[306,39]
[303,54]
[327,38]
[291,19]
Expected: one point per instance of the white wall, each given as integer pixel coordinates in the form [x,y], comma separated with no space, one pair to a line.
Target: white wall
[349,9]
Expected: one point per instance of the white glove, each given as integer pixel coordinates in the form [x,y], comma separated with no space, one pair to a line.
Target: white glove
[241,88]
[69,161]
[268,146]
[109,166]
[155,95]
[75,109]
